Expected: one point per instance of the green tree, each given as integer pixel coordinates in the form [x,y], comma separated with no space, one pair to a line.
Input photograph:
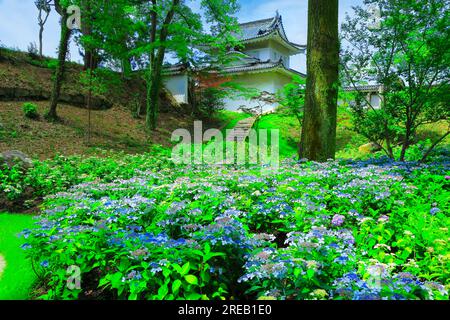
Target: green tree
[108,33]
[44,8]
[61,8]
[407,52]
[208,101]
[318,142]
[174,28]
[292,98]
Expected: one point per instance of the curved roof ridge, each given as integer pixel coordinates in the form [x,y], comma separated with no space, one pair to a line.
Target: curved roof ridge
[266,27]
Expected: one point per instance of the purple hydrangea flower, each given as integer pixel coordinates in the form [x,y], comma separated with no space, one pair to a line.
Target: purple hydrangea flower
[434,210]
[337,220]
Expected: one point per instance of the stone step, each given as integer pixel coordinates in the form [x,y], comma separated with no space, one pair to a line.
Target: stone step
[241,131]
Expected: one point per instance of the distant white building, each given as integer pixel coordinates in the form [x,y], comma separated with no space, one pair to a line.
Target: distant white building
[373,94]
[176,80]
[262,64]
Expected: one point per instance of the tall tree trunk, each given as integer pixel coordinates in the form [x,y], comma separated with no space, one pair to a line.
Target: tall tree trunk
[152,105]
[41,31]
[408,134]
[90,57]
[60,69]
[405,143]
[387,138]
[42,23]
[155,86]
[126,60]
[156,67]
[126,67]
[318,141]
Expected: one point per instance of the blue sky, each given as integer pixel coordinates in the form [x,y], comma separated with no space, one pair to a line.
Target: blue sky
[18,23]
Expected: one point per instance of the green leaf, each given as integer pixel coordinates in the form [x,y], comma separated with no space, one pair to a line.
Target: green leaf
[191,279]
[210,255]
[163,291]
[133,296]
[177,268]
[176,286]
[193,296]
[185,269]
[166,272]
[103,282]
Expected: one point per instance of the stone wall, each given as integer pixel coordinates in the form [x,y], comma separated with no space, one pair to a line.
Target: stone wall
[78,100]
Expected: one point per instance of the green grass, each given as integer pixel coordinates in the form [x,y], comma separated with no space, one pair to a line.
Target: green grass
[347,140]
[229,119]
[289,131]
[18,276]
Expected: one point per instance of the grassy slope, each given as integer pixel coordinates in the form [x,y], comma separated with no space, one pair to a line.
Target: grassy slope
[229,119]
[348,141]
[290,132]
[19,70]
[112,129]
[18,275]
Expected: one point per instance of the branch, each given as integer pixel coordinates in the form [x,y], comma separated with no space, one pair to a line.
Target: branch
[425,156]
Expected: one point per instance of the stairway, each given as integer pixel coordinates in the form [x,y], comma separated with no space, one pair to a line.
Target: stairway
[241,131]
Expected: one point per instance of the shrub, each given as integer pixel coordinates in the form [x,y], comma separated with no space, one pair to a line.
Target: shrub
[342,230]
[61,173]
[395,55]
[30,111]
[209,101]
[33,51]
[52,64]
[292,98]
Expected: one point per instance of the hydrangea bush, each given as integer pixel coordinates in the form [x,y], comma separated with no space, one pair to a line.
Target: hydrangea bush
[341,230]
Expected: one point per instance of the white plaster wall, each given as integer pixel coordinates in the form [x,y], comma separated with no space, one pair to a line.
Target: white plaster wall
[178,86]
[278,51]
[262,54]
[271,53]
[269,50]
[375,101]
[270,82]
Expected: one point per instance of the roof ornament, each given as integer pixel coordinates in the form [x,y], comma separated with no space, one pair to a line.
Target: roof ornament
[277,19]
[262,31]
[272,25]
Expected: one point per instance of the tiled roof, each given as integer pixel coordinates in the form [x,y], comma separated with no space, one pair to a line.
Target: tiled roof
[243,63]
[260,66]
[255,29]
[239,57]
[174,69]
[262,28]
[369,88]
